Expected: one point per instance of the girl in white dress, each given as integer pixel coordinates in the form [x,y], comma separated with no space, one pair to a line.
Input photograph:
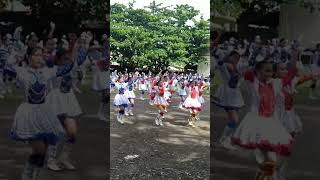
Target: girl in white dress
[228,95]
[192,102]
[142,87]
[260,131]
[64,103]
[100,77]
[182,91]
[121,100]
[159,101]
[34,122]
[129,92]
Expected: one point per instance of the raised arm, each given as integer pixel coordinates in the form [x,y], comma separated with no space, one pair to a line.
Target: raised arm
[52,29]
[64,69]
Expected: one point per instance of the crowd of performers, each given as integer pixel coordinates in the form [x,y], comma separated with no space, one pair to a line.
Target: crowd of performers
[49,70]
[270,72]
[160,89]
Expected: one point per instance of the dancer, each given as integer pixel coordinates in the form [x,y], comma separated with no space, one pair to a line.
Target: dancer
[142,87]
[182,91]
[228,95]
[259,130]
[121,100]
[66,106]
[159,101]
[129,92]
[34,122]
[192,102]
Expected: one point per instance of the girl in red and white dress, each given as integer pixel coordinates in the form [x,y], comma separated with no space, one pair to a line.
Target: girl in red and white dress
[260,131]
[285,105]
[152,92]
[192,102]
[159,101]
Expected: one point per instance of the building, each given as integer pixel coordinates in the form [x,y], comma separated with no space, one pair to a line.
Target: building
[297,22]
[204,67]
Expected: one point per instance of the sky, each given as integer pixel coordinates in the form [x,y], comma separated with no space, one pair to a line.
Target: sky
[203,6]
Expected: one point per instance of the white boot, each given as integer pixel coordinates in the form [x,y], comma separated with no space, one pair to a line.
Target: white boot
[130,111]
[120,118]
[100,113]
[126,111]
[30,172]
[160,121]
[227,144]
[157,120]
[64,158]
[52,162]
[311,95]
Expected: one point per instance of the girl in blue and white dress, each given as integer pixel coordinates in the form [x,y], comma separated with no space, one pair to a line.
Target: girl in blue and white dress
[100,77]
[315,69]
[129,92]
[113,78]
[121,100]
[228,95]
[65,105]
[34,122]
[182,91]
[4,54]
[142,87]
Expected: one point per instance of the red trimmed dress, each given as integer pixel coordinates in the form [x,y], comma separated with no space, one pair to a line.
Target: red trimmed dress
[192,101]
[285,102]
[159,96]
[260,129]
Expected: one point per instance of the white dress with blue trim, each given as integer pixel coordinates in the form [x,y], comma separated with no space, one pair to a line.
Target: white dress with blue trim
[61,98]
[100,77]
[33,118]
[129,91]
[228,94]
[121,99]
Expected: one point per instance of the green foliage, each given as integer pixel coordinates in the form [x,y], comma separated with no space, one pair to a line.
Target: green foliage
[78,9]
[157,36]
[3,4]
[234,8]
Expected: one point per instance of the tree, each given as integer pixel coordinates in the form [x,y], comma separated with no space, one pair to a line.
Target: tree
[157,36]
[3,4]
[76,10]
[234,8]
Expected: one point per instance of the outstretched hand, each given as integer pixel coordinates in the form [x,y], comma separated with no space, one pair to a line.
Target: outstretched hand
[52,25]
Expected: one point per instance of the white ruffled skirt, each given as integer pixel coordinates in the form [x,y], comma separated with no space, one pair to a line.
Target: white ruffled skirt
[160,100]
[265,134]
[291,121]
[182,92]
[142,87]
[121,100]
[201,100]
[63,103]
[130,94]
[192,103]
[36,122]
[228,97]
[100,80]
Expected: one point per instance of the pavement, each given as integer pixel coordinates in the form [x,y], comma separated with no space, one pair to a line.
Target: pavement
[303,163]
[90,154]
[141,150]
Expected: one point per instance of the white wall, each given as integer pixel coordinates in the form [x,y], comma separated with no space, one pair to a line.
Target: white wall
[296,21]
[204,67]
